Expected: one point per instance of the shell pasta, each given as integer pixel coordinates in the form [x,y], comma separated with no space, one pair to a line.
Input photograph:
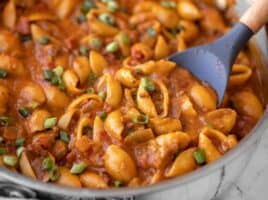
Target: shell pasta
[87,98]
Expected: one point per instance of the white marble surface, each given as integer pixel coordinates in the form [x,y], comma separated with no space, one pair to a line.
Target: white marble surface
[252,185]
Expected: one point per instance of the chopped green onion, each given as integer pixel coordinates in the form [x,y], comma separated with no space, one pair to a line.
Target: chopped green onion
[25,38]
[105,1]
[10,160]
[124,38]
[95,43]
[19,142]
[117,184]
[199,156]
[103,115]
[5,121]
[58,70]
[44,40]
[24,112]
[112,47]
[50,122]
[148,84]
[92,77]
[102,95]
[19,151]
[112,6]
[107,18]
[81,19]
[3,151]
[64,136]
[87,6]
[3,73]
[84,51]
[47,164]
[54,173]
[90,90]
[48,74]
[78,168]
[151,32]
[61,84]
[168,4]
[140,119]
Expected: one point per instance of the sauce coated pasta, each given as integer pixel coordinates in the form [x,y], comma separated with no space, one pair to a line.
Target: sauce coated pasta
[87,98]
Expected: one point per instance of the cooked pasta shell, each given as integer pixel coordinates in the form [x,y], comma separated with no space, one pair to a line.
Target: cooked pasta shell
[126,78]
[85,97]
[165,125]
[183,164]
[10,15]
[146,68]
[161,48]
[165,96]
[81,68]
[97,62]
[114,91]
[4,96]
[145,103]
[211,151]
[214,135]
[98,129]
[12,65]
[181,43]
[102,29]
[186,106]
[188,10]
[189,30]
[83,143]
[82,123]
[25,166]
[71,81]
[203,98]
[139,136]
[37,119]
[64,8]
[175,140]
[113,124]
[130,102]
[232,141]
[9,43]
[38,16]
[144,50]
[38,33]
[68,179]
[240,74]
[165,15]
[66,118]
[144,6]
[164,67]
[32,92]
[247,103]
[138,18]
[222,119]
[131,113]
[119,164]
[55,97]
[92,180]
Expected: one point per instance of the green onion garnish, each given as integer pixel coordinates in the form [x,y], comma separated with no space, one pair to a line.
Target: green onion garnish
[10,160]
[199,156]
[112,47]
[3,73]
[107,18]
[140,119]
[44,40]
[19,142]
[54,173]
[151,32]
[47,164]
[50,122]
[5,121]
[64,136]
[78,168]
[3,151]
[148,84]
[24,112]
[103,115]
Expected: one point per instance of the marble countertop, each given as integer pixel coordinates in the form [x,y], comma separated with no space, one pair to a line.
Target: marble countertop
[252,185]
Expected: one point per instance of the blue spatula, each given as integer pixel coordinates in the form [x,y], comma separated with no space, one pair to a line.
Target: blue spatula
[212,63]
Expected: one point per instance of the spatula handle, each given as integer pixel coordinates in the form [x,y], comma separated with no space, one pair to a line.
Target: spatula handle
[256,16]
